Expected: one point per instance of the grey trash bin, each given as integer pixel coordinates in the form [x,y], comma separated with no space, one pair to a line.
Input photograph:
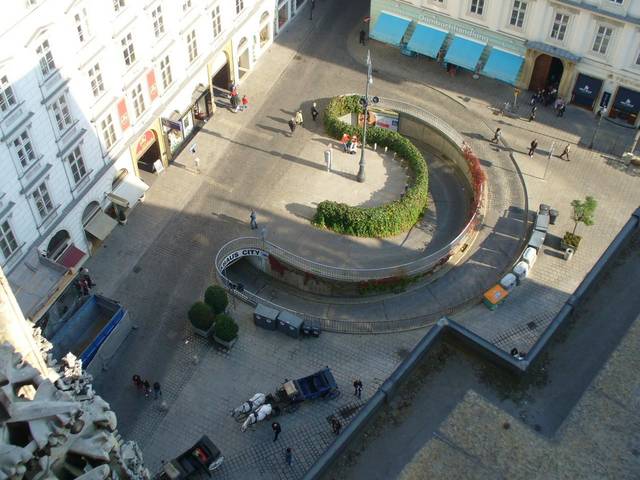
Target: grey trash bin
[266,317]
[568,253]
[553,215]
[290,324]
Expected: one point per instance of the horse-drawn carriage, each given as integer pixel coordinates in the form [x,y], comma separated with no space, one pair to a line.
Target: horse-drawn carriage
[202,458]
[287,397]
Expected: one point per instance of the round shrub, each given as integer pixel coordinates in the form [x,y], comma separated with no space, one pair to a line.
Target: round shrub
[226,328]
[216,297]
[385,220]
[201,316]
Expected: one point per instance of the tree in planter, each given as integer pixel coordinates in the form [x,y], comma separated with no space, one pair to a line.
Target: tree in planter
[226,328]
[201,316]
[216,297]
[583,212]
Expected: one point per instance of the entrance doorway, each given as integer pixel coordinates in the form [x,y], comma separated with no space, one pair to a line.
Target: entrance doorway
[547,71]
[58,244]
[222,79]
[91,210]
[149,153]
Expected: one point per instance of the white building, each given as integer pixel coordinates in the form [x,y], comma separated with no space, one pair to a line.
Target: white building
[589,49]
[94,95]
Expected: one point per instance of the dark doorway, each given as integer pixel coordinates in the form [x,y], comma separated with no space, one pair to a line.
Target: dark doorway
[547,71]
[147,159]
[222,79]
[58,244]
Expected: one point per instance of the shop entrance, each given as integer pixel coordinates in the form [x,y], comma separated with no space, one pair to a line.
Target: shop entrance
[148,151]
[547,71]
[222,79]
[58,244]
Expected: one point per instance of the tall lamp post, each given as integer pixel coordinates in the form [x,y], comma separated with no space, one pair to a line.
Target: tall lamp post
[361,175]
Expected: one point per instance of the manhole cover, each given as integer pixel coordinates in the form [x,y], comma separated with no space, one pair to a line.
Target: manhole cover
[137,269]
[532,325]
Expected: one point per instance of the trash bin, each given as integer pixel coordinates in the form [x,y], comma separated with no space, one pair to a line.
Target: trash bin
[543,208]
[265,317]
[290,324]
[568,253]
[553,214]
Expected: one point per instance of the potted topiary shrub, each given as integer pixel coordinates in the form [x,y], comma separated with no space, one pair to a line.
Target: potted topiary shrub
[216,297]
[583,212]
[225,331]
[202,319]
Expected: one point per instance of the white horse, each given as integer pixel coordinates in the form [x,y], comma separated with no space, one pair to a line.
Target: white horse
[250,405]
[260,414]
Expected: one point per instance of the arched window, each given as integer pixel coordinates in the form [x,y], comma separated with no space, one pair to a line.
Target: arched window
[89,212]
[264,17]
[58,244]
[242,44]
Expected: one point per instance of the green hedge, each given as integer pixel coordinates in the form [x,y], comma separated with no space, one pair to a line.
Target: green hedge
[385,220]
[226,328]
[216,297]
[201,316]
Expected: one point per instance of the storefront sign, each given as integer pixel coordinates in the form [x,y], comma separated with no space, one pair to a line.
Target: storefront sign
[386,119]
[586,90]
[628,100]
[144,142]
[171,124]
[123,115]
[151,82]
[238,254]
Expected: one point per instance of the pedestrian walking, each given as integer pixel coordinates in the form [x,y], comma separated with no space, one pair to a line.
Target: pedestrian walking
[137,381]
[275,426]
[363,36]
[532,115]
[357,387]
[252,218]
[288,456]
[299,119]
[532,147]
[147,388]
[83,287]
[157,392]
[561,109]
[314,112]
[84,273]
[336,426]
[292,126]
[496,136]
[245,102]
[565,152]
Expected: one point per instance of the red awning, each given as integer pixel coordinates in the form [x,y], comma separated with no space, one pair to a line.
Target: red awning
[71,257]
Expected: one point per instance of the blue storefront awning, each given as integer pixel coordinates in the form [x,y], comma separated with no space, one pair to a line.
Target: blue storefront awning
[389,29]
[503,65]
[464,52]
[426,40]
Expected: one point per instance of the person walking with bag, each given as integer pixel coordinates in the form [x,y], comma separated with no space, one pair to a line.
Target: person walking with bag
[565,152]
[497,135]
[532,147]
[314,112]
[292,126]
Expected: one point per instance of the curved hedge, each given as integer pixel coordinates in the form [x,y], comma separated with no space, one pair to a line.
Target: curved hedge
[384,220]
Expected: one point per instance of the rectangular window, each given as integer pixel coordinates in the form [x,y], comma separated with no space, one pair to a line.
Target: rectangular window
[127,49]
[638,59]
[517,14]
[216,21]
[82,25]
[138,100]
[158,21]
[603,37]
[7,98]
[76,163]
[165,71]
[24,149]
[118,5]
[62,114]
[559,28]
[617,2]
[108,132]
[186,5]
[42,199]
[47,65]
[8,242]
[95,77]
[239,6]
[477,6]
[192,45]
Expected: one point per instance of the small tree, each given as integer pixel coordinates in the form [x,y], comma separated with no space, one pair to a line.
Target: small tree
[201,316]
[216,297]
[583,212]
[226,328]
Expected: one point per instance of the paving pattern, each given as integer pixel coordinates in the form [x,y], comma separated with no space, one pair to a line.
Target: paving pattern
[161,261]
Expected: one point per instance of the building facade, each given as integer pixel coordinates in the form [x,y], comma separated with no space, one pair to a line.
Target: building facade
[589,50]
[96,98]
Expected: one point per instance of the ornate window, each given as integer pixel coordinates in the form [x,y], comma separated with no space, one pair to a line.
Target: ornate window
[138,100]
[47,64]
[95,77]
[128,51]
[7,97]
[158,21]
[603,37]
[23,147]
[8,243]
[559,29]
[77,165]
[42,199]
[62,114]
[165,72]
[192,45]
[518,13]
[477,7]
[216,21]
[108,131]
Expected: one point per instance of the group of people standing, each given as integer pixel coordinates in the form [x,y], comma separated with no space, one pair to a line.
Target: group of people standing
[545,97]
[145,386]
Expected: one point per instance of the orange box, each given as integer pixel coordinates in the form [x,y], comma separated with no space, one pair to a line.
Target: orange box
[495,295]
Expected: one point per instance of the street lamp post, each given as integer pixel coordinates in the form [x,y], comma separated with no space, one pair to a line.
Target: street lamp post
[361,175]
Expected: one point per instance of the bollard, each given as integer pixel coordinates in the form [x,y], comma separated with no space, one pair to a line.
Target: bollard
[385,149]
[327,159]
[375,147]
